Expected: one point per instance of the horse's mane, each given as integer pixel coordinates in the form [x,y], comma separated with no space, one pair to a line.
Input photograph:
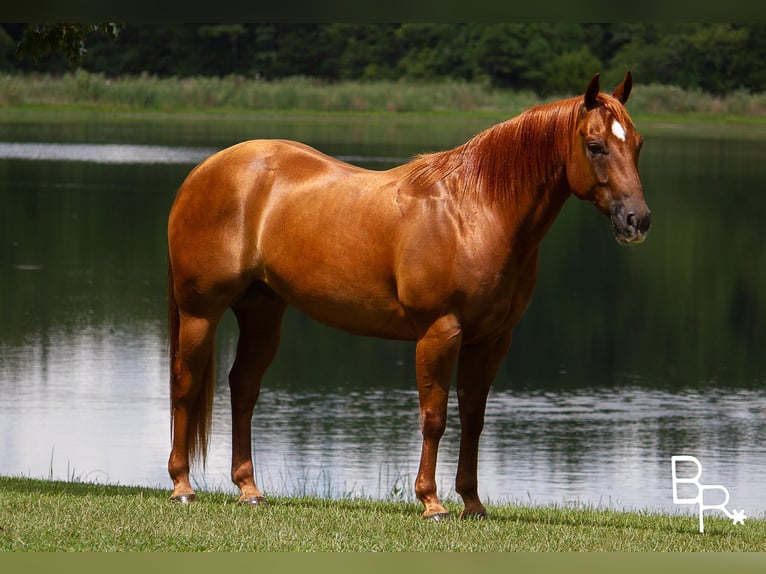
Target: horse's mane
[513,157]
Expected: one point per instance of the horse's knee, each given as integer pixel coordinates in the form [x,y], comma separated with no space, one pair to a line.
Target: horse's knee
[433,424]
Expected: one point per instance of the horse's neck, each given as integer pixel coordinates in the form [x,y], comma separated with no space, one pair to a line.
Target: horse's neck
[530,166]
[530,218]
[536,202]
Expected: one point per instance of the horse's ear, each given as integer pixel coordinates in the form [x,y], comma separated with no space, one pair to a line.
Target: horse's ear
[622,92]
[591,94]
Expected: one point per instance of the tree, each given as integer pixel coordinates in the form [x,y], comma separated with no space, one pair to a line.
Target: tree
[718,51]
[568,73]
[548,58]
[43,39]
[440,50]
[371,52]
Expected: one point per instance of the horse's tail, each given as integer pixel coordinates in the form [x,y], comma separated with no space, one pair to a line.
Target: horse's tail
[200,412]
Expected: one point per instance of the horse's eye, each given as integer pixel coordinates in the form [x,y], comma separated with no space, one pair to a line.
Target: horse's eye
[596,148]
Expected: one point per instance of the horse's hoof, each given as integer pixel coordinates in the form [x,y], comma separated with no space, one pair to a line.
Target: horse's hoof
[184,498]
[254,501]
[437,516]
[481,515]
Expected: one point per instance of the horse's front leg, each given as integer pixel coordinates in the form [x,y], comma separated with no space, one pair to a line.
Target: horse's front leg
[476,370]
[436,355]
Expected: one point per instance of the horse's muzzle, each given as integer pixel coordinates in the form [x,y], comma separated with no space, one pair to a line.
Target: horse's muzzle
[630,225]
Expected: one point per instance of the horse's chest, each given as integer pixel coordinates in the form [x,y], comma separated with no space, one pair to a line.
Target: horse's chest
[500,303]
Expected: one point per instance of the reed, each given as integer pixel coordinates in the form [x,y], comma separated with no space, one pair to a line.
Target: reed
[237,93]
[147,92]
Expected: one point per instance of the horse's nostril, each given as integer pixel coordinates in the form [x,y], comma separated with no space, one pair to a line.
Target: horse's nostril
[631,220]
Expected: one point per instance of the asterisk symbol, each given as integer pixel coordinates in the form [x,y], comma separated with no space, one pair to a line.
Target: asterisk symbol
[739,517]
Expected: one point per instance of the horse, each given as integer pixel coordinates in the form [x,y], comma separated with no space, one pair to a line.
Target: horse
[441,251]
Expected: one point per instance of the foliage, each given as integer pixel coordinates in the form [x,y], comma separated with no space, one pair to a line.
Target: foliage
[547,58]
[717,58]
[69,39]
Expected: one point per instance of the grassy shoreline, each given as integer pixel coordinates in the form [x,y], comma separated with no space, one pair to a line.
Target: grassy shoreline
[244,124]
[82,93]
[41,515]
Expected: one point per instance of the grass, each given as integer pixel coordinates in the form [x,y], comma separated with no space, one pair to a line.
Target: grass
[89,93]
[237,93]
[41,515]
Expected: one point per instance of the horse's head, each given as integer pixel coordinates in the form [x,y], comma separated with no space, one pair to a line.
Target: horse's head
[603,163]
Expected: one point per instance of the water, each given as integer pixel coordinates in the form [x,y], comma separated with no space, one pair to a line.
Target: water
[626,356]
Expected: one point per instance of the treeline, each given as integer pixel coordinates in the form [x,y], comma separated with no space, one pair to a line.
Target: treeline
[547,58]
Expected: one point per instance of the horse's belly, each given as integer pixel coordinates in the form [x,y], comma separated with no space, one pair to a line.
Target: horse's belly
[381,322]
[354,292]
[360,311]
[329,253]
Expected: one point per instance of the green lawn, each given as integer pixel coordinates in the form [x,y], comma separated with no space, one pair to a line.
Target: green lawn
[38,515]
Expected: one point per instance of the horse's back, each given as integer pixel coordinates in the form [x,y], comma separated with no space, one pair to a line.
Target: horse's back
[290,158]
[239,182]
[307,225]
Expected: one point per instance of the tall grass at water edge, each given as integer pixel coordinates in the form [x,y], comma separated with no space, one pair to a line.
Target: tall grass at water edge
[234,92]
[150,93]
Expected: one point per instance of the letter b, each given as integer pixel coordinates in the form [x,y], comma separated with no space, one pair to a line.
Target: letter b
[686,480]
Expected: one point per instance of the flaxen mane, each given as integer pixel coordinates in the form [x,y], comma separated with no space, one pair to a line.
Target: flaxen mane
[514,157]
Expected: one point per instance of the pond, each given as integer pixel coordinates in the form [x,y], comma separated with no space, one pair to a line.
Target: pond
[625,357]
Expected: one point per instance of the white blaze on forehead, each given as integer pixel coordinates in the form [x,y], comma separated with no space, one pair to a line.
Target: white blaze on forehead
[618,130]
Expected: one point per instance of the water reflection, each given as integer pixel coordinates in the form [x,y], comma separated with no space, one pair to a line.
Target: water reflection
[624,358]
[134,154]
[103,153]
[92,404]
[83,402]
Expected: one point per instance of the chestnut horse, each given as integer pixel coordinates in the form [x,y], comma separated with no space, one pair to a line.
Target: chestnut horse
[442,251]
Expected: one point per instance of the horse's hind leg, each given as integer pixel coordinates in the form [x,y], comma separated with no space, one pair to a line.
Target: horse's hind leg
[259,317]
[191,395]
